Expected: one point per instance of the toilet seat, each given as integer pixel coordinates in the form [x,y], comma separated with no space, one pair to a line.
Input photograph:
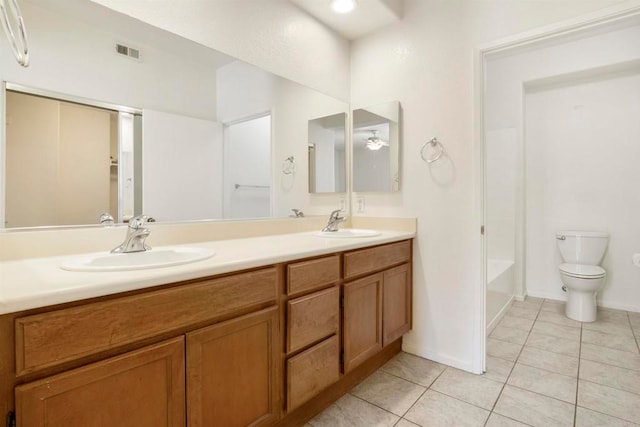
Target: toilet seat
[583,271]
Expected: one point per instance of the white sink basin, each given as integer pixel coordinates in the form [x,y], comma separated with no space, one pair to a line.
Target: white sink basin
[154,258]
[348,232]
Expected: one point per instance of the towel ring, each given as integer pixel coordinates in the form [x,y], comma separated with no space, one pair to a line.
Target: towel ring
[435,144]
[20,52]
[288,166]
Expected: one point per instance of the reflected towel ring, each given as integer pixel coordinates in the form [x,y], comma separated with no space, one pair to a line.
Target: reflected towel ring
[288,166]
[20,52]
[436,145]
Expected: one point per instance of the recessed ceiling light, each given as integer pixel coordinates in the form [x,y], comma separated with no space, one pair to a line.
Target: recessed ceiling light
[343,6]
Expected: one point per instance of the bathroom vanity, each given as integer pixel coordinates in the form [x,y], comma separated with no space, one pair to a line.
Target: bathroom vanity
[265,345]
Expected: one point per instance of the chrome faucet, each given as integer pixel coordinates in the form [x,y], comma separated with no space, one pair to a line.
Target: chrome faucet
[106,219]
[334,220]
[137,233]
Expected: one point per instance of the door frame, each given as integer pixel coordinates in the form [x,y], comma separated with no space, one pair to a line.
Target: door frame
[593,20]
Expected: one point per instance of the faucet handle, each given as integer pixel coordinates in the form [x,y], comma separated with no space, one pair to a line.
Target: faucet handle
[106,219]
[137,222]
[335,214]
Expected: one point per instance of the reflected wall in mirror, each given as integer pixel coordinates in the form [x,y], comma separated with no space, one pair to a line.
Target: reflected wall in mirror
[326,146]
[376,148]
[194,162]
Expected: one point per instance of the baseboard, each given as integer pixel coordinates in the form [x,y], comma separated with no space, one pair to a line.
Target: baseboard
[520,297]
[604,304]
[439,358]
[500,315]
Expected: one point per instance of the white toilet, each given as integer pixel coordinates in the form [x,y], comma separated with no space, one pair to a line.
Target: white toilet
[581,274]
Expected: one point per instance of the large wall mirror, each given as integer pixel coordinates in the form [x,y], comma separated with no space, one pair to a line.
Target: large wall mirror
[137,119]
[376,148]
[326,145]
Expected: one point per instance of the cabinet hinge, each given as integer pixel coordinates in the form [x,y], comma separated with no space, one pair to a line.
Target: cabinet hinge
[482,229]
[11,419]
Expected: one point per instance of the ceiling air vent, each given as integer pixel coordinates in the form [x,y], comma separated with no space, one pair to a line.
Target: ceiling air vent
[128,51]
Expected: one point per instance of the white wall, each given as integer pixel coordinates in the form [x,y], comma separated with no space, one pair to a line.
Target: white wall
[426,62]
[275,35]
[582,150]
[182,167]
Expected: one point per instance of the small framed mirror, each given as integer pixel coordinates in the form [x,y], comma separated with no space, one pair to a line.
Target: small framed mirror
[326,148]
[376,148]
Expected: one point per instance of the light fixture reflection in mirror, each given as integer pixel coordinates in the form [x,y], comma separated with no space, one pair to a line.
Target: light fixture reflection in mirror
[188,95]
[326,149]
[376,147]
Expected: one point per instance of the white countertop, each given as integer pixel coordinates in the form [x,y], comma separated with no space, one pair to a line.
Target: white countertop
[39,282]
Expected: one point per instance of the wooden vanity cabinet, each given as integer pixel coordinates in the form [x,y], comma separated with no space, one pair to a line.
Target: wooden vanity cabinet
[376,308]
[142,388]
[262,347]
[232,372]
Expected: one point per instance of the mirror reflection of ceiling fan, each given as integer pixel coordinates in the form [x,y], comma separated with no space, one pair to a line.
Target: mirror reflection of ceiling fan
[374,142]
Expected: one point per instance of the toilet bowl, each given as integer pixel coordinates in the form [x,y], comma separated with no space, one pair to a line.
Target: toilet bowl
[581,273]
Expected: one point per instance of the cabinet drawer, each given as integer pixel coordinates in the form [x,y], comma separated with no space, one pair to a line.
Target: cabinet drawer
[312,317]
[55,337]
[141,388]
[313,274]
[312,371]
[365,261]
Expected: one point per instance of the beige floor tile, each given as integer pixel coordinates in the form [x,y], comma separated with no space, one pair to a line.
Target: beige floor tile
[544,382]
[612,316]
[533,408]
[512,335]
[554,344]
[623,329]
[434,409]
[516,323]
[553,306]
[413,368]
[503,349]
[405,423]
[609,401]
[498,369]
[557,331]
[588,418]
[618,342]
[525,313]
[470,388]
[530,303]
[554,362]
[612,376]
[610,356]
[497,420]
[388,392]
[349,411]
[558,319]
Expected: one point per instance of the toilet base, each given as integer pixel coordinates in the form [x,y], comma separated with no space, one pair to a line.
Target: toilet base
[581,306]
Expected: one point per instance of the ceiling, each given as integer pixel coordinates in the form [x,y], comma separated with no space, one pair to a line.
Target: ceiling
[368,16]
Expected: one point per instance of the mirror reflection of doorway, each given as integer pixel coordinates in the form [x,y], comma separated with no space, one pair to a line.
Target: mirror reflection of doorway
[247,168]
[63,162]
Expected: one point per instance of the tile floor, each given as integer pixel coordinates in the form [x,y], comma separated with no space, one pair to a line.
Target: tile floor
[543,369]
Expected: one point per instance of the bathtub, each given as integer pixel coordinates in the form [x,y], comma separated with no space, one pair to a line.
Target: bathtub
[500,289]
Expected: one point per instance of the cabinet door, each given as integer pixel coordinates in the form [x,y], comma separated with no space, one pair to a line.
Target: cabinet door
[396,303]
[362,320]
[141,388]
[232,372]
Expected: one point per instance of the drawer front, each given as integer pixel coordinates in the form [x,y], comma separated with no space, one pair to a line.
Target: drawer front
[312,317]
[56,337]
[365,261]
[312,371]
[306,276]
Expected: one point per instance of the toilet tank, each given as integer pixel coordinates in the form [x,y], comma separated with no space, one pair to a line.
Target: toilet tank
[582,247]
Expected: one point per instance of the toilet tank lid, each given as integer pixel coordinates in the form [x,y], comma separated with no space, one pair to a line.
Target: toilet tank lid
[575,233]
